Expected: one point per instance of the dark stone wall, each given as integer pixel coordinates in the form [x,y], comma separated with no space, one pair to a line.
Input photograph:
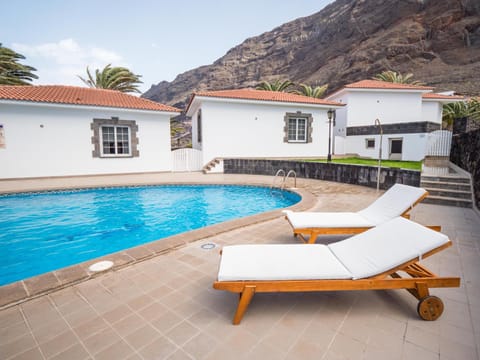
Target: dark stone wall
[399,128]
[466,154]
[349,174]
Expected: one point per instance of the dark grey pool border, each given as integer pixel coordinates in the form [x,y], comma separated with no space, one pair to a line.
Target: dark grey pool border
[20,291]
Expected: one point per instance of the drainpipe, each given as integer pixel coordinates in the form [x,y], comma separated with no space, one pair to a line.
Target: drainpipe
[377,123]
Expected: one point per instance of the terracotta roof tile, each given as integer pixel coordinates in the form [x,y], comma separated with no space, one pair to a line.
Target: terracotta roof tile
[73,95]
[263,95]
[442,96]
[377,84]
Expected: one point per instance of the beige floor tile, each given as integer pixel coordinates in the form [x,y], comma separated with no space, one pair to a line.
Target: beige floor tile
[17,346]
[101,340]
[200,345]
[413,351]
[142,336]
[129,324]
[75,352]
[166,321]
[424,339]
[90,327]
[11,332]
[118,351]
[182,333]
[30,354]
[59,343]
[179,355]
[160,348]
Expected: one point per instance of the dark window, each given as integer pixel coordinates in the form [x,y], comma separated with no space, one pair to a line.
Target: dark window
[396,147]
[370,143]
[199,125]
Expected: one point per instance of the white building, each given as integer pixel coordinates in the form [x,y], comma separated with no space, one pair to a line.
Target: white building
[257,123]
[67,131]
[407,113]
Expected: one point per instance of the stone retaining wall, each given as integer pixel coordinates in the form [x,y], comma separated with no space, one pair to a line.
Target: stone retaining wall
[466,154]
[349,174]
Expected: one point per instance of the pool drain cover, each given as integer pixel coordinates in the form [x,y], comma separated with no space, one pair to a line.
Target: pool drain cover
[208,246]
[101,266]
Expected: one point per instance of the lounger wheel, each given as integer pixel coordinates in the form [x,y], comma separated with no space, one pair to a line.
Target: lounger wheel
[430,308]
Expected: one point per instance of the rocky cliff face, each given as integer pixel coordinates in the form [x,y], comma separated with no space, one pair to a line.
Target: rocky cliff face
[349,40]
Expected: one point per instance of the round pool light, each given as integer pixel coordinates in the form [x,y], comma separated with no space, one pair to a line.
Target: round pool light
[101,266]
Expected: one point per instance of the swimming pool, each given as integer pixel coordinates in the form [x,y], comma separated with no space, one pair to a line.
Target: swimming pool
[42,232]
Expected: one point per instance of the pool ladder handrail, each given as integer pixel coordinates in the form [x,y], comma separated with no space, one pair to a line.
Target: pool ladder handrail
[284,179]
[294,178]
[278,173]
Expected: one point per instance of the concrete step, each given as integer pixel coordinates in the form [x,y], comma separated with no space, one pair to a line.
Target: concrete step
[449,201]
[444,185]
[446,179]
[449,193]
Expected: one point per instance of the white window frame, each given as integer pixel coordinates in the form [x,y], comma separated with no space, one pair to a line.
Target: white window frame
[297,140]
[115,127]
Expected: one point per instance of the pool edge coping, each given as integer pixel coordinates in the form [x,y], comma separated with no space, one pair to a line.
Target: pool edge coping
[40,285]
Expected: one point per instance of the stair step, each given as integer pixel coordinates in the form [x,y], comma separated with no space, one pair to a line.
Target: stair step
[449,201]
[447,179]
[449,193]
[445,185]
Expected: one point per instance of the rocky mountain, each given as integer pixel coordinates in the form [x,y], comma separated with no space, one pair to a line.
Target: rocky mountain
[349,40]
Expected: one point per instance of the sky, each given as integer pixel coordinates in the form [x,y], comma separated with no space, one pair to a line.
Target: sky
[156,39]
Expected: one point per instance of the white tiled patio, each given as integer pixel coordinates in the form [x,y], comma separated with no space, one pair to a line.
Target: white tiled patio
[165,307]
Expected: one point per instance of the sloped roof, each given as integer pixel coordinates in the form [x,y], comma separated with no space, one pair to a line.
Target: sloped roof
[263,95]
[377,84]
[74,95]
[434,96]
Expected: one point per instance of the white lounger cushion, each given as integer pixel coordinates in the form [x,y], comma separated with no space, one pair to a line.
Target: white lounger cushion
[364,255]
[280,262]
[307,219]
[394,202]
[385,247]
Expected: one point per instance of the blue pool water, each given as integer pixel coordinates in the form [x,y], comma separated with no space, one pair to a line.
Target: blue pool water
[41,232]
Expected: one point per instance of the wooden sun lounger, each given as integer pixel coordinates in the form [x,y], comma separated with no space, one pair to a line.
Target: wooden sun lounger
[410,275]
[309,234]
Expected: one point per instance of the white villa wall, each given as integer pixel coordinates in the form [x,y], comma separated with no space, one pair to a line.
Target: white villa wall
[255,130]
[413,148]
[51,140]
[388,107]
[432,111]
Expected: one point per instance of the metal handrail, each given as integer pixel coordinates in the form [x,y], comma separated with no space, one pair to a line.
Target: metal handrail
[280,171]
[294,179]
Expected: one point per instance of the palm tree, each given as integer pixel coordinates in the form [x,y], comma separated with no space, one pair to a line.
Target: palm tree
[474,105]
[113,78]
[276,86]
[11,71]
[396,77]
[452,111]
[314,92]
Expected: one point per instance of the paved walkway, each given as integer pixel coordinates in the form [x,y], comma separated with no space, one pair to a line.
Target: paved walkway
[165,307]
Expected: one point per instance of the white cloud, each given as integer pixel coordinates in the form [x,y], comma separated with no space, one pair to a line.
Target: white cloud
[61,62]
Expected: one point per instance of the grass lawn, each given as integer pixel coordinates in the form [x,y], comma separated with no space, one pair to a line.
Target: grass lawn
[410,165]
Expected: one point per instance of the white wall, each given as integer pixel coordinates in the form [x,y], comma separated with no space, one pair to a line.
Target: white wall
[56,141]
[413,148]
[432,111]
[256,130]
